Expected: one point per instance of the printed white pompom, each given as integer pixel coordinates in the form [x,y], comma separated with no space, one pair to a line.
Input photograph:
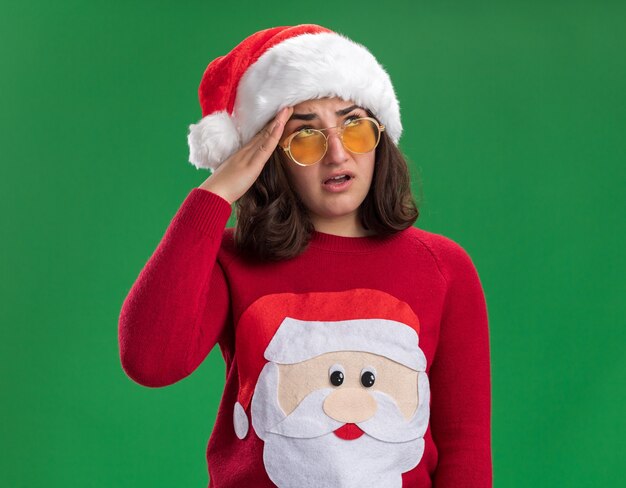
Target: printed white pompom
[240,421]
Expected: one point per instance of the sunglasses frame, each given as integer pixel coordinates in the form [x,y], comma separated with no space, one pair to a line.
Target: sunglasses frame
[286,145]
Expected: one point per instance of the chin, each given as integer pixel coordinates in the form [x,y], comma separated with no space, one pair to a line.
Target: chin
[339,210]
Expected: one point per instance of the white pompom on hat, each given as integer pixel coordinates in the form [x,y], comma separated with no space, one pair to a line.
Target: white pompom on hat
[243,90]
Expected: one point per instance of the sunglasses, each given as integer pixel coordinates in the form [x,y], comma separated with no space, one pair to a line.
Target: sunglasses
[308,146]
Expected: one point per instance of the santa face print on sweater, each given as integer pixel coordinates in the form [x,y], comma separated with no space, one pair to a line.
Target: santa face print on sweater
[342,401]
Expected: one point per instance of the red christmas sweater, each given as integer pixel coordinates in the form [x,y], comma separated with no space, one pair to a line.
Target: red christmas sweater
[362,362]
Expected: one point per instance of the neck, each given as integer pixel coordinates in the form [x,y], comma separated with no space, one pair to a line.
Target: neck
[347,226]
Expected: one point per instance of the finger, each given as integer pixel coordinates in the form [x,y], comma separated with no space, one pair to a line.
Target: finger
[280,120]
[271,126]
[273,130]
[267,131]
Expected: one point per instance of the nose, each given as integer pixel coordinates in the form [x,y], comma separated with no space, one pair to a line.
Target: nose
[350,405]
[336,152]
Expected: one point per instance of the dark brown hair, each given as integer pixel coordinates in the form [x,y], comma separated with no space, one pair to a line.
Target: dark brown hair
[273,224]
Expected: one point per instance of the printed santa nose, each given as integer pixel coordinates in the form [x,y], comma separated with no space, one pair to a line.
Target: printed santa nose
[350,405]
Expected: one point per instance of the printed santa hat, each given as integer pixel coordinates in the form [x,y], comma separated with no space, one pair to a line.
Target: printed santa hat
[288,328]
[243,90]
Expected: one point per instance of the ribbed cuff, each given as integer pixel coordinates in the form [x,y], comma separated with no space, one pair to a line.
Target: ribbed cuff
[205,211]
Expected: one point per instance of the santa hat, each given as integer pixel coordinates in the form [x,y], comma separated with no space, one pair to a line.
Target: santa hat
[243,90]
[288,328]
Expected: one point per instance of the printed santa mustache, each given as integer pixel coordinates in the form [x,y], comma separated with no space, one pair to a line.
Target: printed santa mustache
[300,450]
[308,420]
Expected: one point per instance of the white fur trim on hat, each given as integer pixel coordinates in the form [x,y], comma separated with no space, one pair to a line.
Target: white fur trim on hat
[312,66]
[212,140]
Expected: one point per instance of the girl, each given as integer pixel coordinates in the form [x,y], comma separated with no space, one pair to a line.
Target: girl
[356,345]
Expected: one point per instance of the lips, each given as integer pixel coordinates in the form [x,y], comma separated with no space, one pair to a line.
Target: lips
[349,175]
[349,432]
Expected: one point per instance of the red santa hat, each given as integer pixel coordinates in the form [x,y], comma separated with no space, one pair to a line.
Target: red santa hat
[243,90]
[288,328]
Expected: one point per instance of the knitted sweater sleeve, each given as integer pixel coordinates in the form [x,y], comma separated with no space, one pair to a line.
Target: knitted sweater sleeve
[178,306]
[460,378]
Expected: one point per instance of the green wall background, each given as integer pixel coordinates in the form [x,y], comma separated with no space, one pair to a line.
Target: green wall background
[514,122]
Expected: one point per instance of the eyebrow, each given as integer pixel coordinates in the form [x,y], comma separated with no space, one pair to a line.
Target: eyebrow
[313,116]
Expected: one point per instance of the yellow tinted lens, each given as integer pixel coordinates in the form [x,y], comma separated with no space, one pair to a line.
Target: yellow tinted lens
[308,146]
[361,136]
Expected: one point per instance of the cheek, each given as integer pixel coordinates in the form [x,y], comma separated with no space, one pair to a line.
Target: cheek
[303,182]
[367,165]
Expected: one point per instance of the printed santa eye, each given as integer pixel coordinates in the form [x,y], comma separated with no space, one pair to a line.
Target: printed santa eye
[368,376]
[336,374]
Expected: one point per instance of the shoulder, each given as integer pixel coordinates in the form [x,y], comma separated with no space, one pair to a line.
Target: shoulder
[228,239]
[451,257]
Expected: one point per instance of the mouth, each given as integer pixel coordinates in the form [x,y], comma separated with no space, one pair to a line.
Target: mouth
[338,178]
[338,181]
[349,432]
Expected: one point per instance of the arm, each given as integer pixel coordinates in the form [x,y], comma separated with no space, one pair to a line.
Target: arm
[460,378]
[178,306]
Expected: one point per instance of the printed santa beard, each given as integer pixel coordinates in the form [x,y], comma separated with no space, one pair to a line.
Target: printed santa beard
[301,449]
